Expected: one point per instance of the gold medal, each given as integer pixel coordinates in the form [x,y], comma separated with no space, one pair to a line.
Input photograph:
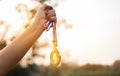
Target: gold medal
[55,57]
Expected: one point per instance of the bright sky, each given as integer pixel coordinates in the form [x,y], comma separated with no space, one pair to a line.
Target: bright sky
[95,37]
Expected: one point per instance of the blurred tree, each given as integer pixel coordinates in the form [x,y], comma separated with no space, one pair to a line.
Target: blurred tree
[4,26]
[31,70]
[92,67]
[116,65]
[2,44]
[42,1]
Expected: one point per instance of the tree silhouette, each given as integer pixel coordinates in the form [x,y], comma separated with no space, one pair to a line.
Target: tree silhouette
[116,65]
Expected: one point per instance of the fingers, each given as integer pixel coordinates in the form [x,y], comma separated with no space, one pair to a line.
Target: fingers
[51,15]
[47,12]
[46,7]
[53,19]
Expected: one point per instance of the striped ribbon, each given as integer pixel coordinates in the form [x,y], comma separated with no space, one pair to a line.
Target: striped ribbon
[48,25]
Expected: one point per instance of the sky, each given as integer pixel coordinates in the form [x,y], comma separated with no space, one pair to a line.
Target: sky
[95,36]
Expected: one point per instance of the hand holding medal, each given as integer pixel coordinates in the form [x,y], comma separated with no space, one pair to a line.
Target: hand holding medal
[55,57]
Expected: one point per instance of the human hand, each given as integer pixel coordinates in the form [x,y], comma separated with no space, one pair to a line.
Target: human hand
[45,13]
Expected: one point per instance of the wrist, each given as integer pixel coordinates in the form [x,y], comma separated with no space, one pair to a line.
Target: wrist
[36,23]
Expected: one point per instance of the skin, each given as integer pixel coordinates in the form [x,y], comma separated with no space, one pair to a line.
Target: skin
[12,53]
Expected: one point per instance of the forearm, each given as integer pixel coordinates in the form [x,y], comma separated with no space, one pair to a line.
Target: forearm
[17,49]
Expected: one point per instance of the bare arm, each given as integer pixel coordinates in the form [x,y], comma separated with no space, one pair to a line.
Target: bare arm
[13,52]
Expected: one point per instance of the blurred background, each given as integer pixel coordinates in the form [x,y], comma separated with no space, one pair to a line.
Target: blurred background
[88,37]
